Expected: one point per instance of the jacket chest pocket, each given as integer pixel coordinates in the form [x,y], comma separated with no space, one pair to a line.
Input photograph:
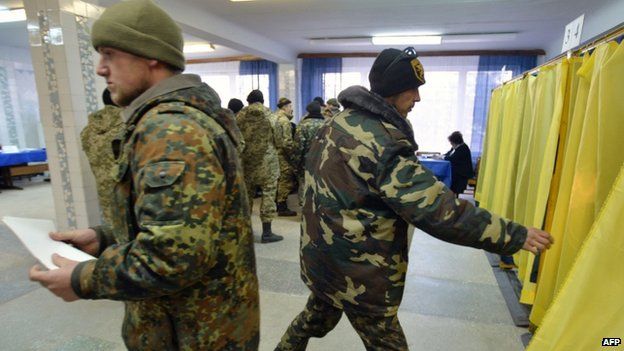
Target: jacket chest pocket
[159,193]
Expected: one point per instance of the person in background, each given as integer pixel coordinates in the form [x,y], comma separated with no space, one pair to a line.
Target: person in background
[461,163]
[306,131]
[260,161]
[286,181]
[180,251]
[235,105]
[103,127]
[321,102]
[332,109]
[364,186]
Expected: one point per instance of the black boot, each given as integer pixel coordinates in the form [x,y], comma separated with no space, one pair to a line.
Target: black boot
[284,211]
[267,234]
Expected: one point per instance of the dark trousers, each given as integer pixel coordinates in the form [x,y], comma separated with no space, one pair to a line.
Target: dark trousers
[319,318]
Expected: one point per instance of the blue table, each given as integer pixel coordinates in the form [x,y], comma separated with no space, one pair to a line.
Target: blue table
[440,168]
[17,158]
[16,164]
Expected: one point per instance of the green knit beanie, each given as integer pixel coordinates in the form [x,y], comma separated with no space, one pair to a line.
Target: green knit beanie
[141,28]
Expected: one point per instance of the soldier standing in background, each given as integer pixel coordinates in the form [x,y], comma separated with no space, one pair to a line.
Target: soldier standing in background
[286,181]
[260,160]
[180,252]
[97,137]
[306,130]
[235,105]
[332,109]
[364,185]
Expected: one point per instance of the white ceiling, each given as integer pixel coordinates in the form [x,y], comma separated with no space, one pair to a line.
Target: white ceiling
[293,22]
[289,24]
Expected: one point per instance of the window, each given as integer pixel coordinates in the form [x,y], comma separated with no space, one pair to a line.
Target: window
[225,79]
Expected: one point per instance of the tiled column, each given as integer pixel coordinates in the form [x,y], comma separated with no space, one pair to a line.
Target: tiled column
[63,61]
[286,85]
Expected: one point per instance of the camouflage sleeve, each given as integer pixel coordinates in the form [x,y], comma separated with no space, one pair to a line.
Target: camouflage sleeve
[278,139]
[287,139]
[418,197]
[297,158]
[105,237]
[180,193]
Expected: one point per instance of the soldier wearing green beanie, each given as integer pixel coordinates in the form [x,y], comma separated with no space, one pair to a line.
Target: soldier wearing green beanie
[180,250]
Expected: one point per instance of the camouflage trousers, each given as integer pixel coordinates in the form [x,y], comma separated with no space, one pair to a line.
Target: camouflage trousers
[286,181]
[319,318]
[268,186]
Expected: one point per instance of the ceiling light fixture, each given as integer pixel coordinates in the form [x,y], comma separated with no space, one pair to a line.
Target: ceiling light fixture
[240,0]
[195,48]
[12,15]
[407,40]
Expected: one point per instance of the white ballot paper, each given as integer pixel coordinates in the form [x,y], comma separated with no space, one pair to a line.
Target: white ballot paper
[33,233]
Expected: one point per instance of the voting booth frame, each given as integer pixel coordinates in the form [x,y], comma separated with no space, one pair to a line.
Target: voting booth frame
[551,160]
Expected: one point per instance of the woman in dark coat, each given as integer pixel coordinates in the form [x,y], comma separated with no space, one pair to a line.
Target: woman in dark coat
[461,163]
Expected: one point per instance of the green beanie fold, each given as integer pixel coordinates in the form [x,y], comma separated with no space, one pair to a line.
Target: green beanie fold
[141,28]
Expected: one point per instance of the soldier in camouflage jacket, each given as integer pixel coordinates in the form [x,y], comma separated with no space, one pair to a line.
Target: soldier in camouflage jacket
[363,187]
[306,131]
[180,250]
[96,138]
[286,180]
[262,140]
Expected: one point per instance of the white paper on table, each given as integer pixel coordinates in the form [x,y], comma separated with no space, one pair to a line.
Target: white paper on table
[10,149]
[34,234]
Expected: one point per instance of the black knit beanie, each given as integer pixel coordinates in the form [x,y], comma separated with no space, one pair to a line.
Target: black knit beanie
[395,71]
[314,108]
[319,100]
[235,105]
[255,96]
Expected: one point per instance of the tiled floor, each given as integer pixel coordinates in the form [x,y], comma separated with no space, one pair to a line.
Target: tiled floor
[451,300]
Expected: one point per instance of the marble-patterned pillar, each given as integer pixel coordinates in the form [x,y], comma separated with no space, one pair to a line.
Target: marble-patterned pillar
[68,90]
[286,83]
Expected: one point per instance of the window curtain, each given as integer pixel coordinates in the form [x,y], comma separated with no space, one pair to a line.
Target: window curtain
[490,75]
[312,70]
[255,69]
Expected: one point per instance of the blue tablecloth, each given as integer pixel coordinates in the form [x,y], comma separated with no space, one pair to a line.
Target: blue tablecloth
[25,156]
[440,168]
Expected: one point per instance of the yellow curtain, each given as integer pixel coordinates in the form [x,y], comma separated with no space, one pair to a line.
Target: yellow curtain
[488,159]
[577,97]
[584,196]
[589,166]
[506,149]
[538,159]
[590,304]
[515,114]
[521,181]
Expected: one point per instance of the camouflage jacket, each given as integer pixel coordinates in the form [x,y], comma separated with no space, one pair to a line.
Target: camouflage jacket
[287,142]
[180,250]
[258,128]
[97,137]
[306,130]
[363,186]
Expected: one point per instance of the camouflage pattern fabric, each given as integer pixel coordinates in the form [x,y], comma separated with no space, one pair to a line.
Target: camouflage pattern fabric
[260,162]
[97,137]
[180,251]
[363,185]
[286,181]
[306,131]
[319,318]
